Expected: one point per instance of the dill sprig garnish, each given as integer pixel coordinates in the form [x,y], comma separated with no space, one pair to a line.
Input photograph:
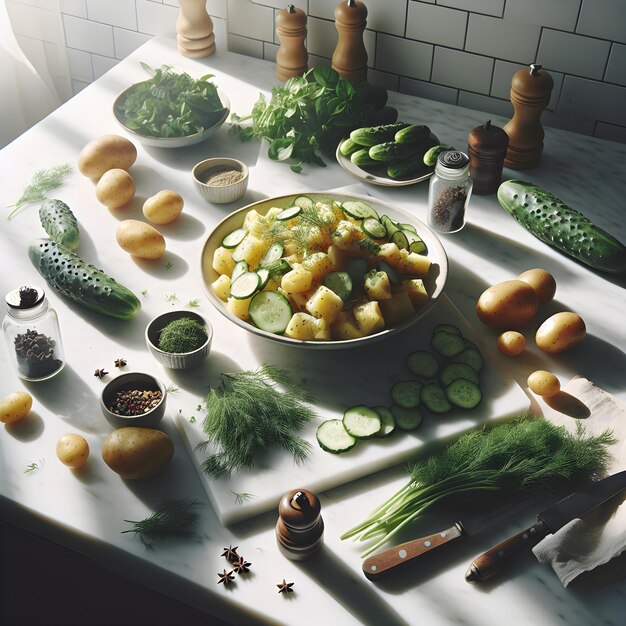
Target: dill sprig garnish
[43,181]
[513,456]
[246,414]
[171,518]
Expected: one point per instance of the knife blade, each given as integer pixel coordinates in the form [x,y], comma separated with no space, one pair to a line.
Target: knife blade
[549,521]
[381,563]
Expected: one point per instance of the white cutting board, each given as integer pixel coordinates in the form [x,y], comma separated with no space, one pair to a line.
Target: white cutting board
[347,378]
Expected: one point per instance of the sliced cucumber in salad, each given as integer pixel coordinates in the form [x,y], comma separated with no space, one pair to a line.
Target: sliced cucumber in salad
[270,311]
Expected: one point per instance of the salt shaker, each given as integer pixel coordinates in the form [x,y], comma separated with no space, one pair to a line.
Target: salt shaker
[291,58]
[530,94]
[31,330]
[449,192]
[300,527]
[487,145]
[350,57]
[194,28]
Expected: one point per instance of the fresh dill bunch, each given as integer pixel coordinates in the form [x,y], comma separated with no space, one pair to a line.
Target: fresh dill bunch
[246,414]
[514,456]
[43,181]
[171,518]
[181,336]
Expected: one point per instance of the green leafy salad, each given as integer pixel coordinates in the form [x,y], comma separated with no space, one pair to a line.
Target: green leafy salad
[171,104]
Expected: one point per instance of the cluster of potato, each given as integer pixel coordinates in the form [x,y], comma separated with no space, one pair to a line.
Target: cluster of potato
[133,453]
[106,161]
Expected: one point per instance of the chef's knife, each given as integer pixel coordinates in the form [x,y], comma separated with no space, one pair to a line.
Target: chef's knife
[574,506]
[381,563]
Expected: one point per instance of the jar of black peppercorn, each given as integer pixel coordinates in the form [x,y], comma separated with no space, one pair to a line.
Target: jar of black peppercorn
[449,192]
[31,330]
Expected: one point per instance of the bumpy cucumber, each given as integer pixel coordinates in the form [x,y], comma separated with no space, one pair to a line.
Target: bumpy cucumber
[561,226]
[59,222]
[413,134]
[372,135]
[361,158]
[68,274]
[392,151]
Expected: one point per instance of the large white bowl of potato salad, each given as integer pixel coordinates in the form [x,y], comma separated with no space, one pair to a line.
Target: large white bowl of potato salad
[323,270]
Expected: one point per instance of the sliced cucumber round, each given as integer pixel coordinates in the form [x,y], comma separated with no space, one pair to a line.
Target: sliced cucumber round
[362,422]
[452,371]
[449,328]
[287,214]
[373,228]
[241,267]
[272,254]
[304,202]
[406,393]
[333,437]
[359,210]
[422,363]
[388,423]
[264,275]
[434,398]
[447,344]
[464,393]
[270,311]
[471,356]
[406,419]
[340,283]
[232,240]
[392,274]
[245,286]
[400,239]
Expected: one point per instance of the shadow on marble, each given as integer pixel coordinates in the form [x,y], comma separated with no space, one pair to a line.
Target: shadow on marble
[185,228]
[198,380]
[169,267]
[28,429]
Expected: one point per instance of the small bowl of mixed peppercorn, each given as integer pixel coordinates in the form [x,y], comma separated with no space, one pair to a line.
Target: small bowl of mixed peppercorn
[179,339]
[133,399]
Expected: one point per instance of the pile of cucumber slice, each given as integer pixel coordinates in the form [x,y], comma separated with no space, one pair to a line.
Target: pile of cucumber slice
[445,378]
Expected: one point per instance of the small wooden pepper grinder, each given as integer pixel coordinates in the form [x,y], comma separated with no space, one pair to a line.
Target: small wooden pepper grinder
[487,146]
[530,94]
[350,57]
[291,58]
[300,527]
[194,28]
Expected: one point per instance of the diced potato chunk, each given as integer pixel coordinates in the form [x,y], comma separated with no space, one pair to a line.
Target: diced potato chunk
[414,264]
[302,326]
[239,308]
[377,286]
[319,264]
[345,327]
[323,331]
[390,253]
[398,308]
[223,261]
[250,250]
[221,287]
[325,304]
[337,258]
[251,217]
[347,234]
[297,280]
[417,291]
[369,317]
[270,216]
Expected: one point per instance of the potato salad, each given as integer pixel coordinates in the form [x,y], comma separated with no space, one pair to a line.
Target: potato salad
[322,271]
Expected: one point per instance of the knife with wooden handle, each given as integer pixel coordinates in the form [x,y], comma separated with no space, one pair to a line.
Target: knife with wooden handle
[574,506]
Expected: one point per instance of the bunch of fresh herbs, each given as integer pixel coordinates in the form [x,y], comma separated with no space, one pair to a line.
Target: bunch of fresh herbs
[247,413]
[171,104]
[43,182]
[513,456]
[307,115]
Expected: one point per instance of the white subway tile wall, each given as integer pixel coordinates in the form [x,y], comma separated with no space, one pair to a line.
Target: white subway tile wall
[456,51]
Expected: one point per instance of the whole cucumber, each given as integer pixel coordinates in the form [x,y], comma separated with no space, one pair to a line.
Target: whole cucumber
[60,223]
[561,226]
[82,282]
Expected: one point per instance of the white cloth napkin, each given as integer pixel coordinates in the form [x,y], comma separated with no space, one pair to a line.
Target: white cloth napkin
[583,549]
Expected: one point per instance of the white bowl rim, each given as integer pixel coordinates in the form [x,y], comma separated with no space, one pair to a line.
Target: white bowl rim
[337,344]
[225,160]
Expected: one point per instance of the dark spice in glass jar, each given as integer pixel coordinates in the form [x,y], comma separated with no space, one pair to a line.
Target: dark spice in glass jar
[448,210]
[35,354]
[135,402]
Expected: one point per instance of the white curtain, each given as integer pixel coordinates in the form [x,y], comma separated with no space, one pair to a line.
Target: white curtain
[27,94]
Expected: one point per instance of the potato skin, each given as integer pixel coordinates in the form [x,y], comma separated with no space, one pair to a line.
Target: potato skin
[507,305]
[511,343]
[136,453]
[72,450]
[140,239]
[544,383]
[542,282]
[15,407]
[164,207]
[115,189]
[105,153]
[560,332]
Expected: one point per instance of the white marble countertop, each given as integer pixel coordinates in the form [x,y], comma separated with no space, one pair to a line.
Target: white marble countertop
[85,510]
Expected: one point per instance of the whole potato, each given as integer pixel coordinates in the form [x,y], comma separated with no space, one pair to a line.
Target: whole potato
[136,453]
[542,282]
[15,407]
[140,239]
[164,207]
[560,332]
[72,450]
[106,153]
[115,189]
[506,305]
[544,383]
[511,343]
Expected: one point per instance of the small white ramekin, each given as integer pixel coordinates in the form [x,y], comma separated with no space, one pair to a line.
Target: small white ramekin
[225,193]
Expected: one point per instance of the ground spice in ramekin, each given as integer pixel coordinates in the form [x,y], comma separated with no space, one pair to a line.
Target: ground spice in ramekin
[221,176]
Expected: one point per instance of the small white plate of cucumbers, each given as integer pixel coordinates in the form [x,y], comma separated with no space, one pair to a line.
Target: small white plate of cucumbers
[390,155]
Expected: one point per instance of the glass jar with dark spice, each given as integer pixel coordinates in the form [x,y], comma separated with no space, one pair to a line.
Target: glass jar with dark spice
[31,330]
[449,192]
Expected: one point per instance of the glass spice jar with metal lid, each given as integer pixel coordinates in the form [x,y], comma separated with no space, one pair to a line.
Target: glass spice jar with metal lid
[31,330]
[449,192]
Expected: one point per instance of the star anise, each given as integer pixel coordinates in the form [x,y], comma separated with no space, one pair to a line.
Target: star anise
[241,566]
[225,578]
[100,373]
[285,587]
[231,554]
[120,362]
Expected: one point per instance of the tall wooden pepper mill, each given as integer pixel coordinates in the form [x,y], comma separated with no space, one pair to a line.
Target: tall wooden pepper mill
[530,94]
[194,29]
[292,58]
[300,528]
[486,145]
[350,57]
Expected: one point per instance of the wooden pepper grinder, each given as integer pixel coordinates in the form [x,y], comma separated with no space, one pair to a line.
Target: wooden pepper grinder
[487,146]
[300,528]
[530,94]
[194,28]
[350,57]
[292,58]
